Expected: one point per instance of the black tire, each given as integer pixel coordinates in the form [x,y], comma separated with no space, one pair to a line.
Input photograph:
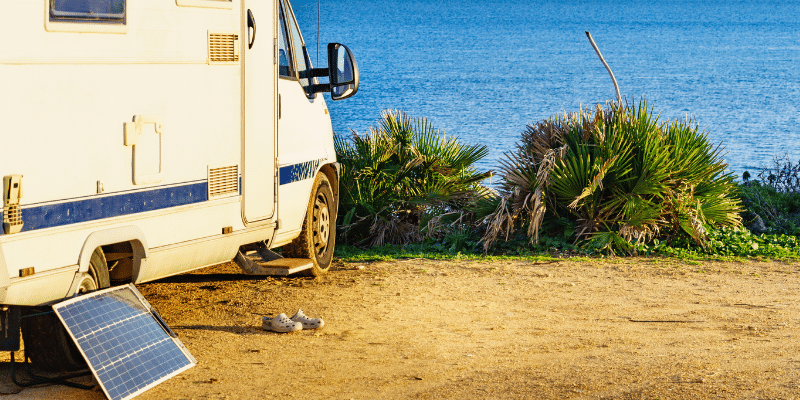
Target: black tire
[47,343]
[318,236]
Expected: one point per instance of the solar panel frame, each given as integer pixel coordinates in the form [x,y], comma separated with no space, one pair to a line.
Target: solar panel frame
[127,346]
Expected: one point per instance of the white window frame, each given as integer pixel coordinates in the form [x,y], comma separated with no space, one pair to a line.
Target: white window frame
[88,26]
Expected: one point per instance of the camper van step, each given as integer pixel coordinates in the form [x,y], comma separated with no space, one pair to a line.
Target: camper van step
[253,264]
[286,266]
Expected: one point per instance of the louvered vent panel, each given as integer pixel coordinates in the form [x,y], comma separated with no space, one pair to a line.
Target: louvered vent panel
[222,48]
[12,218]
[223,182]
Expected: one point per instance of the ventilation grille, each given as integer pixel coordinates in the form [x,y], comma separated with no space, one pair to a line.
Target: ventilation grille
[12,218]
[223,182]
[223,48]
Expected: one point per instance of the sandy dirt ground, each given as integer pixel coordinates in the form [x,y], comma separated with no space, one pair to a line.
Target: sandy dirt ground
[600,329]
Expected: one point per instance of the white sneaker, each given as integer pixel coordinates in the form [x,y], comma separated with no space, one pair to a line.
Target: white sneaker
[281,323]
[308,323]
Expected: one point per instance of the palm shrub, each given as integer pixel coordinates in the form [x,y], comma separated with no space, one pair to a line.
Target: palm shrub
[403,179]
[617,176]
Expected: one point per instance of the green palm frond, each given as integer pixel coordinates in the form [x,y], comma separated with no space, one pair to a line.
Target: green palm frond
[619,174]
[399,172]
[595,183]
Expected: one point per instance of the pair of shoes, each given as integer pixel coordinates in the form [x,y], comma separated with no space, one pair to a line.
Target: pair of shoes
[298,321]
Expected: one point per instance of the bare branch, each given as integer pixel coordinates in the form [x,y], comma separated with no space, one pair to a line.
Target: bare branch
[596,50]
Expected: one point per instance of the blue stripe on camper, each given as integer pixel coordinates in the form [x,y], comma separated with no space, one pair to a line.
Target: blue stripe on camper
[299,172]
[95,208]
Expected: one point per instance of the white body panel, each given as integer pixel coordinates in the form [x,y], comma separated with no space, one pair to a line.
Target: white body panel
[71,93]
[260,114]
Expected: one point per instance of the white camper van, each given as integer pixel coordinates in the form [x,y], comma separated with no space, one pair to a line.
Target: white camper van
[146,138]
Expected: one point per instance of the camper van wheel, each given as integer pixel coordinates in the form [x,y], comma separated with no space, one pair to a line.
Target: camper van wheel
[97,276]
[47,343]
[318,236]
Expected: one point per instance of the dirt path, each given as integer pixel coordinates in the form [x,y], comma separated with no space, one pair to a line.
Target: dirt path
[620,329]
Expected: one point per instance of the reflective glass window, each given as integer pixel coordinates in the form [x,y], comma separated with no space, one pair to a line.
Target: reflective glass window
[303,64]
[284,51]
[95,10]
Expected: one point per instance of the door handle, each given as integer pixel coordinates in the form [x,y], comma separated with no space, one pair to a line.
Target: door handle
[251,23]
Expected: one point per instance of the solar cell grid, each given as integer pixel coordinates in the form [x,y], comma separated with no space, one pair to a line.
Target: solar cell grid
[126,347]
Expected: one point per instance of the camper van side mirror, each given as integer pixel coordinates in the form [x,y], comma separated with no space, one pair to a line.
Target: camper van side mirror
[343,71]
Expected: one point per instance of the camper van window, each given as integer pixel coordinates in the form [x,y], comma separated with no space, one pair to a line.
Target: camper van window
[92,10]
[300,54]
[285,56]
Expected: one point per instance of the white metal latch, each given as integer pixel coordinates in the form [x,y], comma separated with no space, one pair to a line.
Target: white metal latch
[132,130]
[12,214]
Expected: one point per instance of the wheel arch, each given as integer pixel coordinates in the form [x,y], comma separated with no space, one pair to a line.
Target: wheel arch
[331,171]
[125,234]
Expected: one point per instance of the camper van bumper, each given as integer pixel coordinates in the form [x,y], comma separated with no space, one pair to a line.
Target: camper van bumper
[38,289]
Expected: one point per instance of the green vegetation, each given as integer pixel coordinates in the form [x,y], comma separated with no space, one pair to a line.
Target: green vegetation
[403,180]
[724,243]
[733,243]
[772,199]
[608,181]
[614,177]
[414,251]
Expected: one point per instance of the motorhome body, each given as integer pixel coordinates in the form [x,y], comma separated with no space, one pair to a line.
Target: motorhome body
[157,137]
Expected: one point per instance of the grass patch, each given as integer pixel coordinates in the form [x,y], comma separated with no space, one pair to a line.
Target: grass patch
[722,245]
[349,253]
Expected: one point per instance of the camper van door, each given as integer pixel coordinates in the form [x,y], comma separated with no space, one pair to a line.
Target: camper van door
[260,108]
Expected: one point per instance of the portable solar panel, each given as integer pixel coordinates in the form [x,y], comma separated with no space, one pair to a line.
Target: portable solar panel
[127,345]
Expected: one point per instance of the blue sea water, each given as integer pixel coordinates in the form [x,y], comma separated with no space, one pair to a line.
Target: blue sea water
[482,70]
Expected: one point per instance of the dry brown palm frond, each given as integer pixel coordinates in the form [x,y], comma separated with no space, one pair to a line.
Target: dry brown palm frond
[517,169]
[393,231]
[526,176]
[499,222]
[540,137]
[603,120]
[639,234]
[536,211]
[549,159]
[698,229]
[437,223]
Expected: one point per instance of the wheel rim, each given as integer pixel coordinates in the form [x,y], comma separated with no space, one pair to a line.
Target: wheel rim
[88,284]
[322,225]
